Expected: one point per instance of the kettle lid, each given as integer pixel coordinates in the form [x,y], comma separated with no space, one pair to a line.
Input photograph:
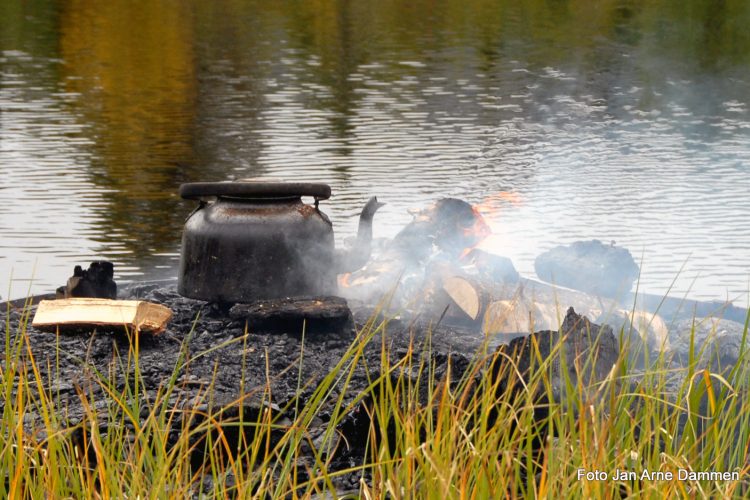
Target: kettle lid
[255,189]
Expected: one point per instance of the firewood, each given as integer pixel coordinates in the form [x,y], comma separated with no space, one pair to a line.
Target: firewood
[502,316]
[493,268]
[448,227]
[650,327]
[464,294]
[519,316]
[82,313]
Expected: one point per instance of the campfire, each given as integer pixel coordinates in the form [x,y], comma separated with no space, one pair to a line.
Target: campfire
[440,267]
[436,267]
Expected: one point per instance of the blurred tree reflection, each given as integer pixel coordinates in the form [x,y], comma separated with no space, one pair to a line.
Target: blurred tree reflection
[29,26]
[132,63]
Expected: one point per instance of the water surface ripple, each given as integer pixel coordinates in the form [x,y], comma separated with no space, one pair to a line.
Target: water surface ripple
[628,124]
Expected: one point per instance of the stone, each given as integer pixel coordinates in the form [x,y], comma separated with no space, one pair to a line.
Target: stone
[589,266]
[717,343]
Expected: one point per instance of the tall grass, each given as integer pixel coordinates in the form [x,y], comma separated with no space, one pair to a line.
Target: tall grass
[433,432]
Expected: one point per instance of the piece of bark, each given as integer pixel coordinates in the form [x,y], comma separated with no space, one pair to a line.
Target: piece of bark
[83,313]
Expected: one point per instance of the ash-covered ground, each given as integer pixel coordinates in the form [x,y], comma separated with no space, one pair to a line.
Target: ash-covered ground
[219,358]
[216,364]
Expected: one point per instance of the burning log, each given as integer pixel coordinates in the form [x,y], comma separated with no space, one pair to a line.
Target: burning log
[451,225]
[441,232]
[434,260]
[441,273]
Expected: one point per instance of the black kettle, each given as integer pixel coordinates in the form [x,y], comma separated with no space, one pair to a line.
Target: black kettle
[251,240]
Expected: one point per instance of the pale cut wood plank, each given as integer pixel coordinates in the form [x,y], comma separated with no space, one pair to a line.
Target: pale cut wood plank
[137,315]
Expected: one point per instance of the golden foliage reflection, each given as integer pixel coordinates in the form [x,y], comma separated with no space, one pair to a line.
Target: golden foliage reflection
[132,63]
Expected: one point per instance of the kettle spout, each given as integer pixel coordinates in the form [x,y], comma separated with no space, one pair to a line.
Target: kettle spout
[353,258]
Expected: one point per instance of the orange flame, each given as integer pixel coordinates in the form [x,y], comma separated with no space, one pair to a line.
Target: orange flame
[493,204]
[344,280]
[480,229]
[488,210]
[477,232]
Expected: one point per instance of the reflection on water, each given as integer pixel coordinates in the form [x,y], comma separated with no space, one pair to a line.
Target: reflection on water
[131,64]
[628,122]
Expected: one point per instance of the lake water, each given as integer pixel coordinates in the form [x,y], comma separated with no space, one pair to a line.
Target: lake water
[617,120]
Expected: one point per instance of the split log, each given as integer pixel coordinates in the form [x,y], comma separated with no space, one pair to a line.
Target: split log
[643,331]
[508,308]
[519,316]
[84,313]
[464,294]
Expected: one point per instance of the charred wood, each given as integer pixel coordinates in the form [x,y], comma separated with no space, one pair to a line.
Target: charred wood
[292,314]
[95,282]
